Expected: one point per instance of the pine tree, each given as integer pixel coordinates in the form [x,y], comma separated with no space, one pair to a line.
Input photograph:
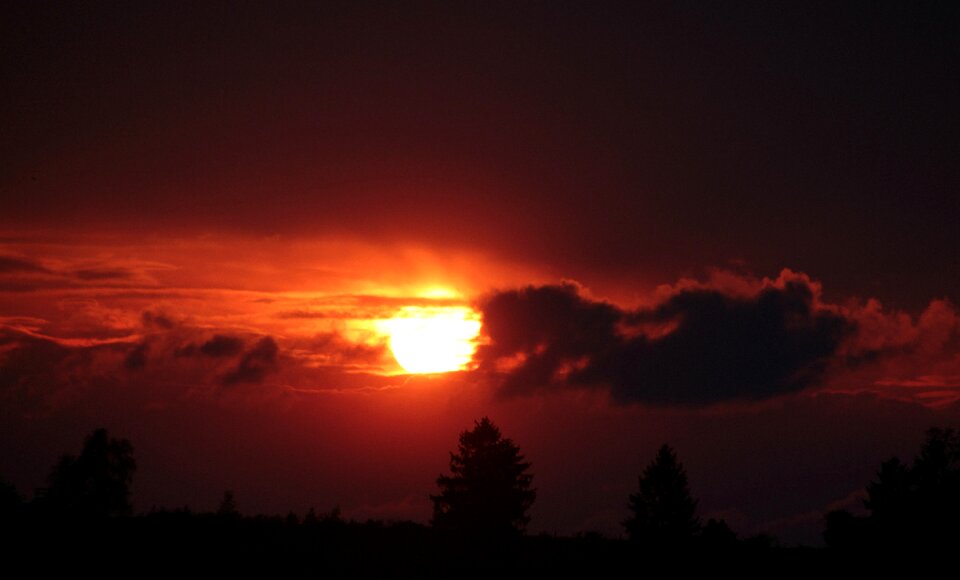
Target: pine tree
[662,511]
[488,492]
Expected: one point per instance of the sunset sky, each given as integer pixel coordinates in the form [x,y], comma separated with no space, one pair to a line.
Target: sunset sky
[730,227]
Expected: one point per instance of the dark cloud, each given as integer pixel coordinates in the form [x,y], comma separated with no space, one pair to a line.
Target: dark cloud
[219,346]
[36,372]
[222,345]
[699,346]
[349,306]
[11,264]
[334,349]
[26,275]
[306,314]
[94,274]
[28,362]
[170,355]
[154,319]
[255,364]
[137,358]
[32,285]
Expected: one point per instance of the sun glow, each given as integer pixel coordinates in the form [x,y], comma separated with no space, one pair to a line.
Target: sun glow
[433,339]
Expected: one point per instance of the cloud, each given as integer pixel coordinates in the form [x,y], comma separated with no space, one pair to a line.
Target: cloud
[28,274]
[11,264]
[332,349]
[104,274]
[38,372]
[28,361]
[222,345]
[310,314]
[892,333]
[696,347]
[899,355]
[353,306]
[165,354]
[255,364]
[156,320]
[21,274]
[137,357]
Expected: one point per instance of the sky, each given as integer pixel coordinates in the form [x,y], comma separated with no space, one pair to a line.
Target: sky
[726,227]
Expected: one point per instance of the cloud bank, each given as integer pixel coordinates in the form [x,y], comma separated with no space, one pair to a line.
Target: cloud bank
[699,344]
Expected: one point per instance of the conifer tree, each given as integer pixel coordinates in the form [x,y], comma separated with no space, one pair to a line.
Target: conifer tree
[488,490]
[662,511]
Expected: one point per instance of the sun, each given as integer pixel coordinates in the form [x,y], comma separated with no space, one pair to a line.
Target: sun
[433,339]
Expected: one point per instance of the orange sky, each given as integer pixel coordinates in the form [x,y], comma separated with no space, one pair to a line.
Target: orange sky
[263,356]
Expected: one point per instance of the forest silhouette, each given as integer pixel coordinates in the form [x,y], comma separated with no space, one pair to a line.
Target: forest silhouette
[479,520]
[912,506]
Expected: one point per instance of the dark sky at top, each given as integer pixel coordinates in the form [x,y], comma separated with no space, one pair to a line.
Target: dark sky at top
[641,140]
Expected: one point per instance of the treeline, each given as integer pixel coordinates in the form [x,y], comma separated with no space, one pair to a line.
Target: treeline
[479,518]
[912,506]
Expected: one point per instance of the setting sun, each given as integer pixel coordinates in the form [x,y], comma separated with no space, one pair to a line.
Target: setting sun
[433,339]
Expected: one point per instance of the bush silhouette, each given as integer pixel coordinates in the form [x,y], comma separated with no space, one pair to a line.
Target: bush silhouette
[97,483]
[488,492]
[228,506]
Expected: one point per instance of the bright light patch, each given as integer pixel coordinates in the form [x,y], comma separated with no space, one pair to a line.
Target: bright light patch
[433,339]
[439,292]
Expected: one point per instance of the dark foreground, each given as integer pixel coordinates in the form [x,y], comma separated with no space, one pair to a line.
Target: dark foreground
[185,541]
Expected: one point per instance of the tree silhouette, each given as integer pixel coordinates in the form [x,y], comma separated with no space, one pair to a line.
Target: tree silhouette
[11,502]
[228,506]
[919,504]
[717,535]
[889,497]
[488,492]
[97,483]
[914,505]
[662,510]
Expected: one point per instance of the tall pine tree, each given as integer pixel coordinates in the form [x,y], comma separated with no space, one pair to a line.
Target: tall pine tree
[662,511]
[488,491]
